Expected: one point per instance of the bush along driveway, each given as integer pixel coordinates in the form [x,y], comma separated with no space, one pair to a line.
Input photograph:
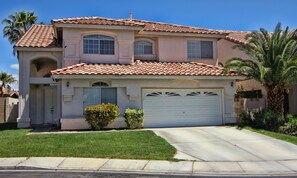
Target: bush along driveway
[115,144]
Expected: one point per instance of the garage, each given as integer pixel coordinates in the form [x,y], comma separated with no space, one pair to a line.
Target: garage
[182,107]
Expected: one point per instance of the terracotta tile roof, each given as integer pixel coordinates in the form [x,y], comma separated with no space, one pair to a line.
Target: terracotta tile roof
[11,93]
[173,28]
[42,35]
[144,68]
[38,36]
[237,36]
[95,21]
[147,25]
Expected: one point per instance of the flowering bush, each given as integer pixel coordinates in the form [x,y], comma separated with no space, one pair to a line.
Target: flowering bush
[99,116]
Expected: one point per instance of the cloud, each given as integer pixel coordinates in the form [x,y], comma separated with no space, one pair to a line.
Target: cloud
[14,66]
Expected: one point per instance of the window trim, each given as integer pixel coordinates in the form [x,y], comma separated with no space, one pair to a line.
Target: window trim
[214,49]
[100,87]
[103,34]
[147,40]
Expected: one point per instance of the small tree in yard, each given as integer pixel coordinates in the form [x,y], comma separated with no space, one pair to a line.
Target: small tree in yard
[272,62]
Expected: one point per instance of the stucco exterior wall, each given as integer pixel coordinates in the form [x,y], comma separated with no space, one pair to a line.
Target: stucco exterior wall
[73,46]
[174,49]
[129,95]
[226,52]
[29,95]
[165,48]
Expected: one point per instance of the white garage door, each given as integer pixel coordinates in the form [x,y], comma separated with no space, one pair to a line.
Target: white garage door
[181,107]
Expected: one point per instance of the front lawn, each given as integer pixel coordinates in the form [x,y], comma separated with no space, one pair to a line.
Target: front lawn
[280,136]
[118,144]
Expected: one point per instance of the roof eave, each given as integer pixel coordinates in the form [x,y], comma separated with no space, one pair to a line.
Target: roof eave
[17,48]
[182,34]
[90,26]
[236,41]
[74,76]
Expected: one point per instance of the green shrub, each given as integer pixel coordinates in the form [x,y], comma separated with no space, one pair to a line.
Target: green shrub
[263,119]
[245,119]
[134,118]
[291,125]
[268,120]
[99,116]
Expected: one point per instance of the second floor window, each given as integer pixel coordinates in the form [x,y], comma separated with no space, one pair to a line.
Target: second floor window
[143,47]
[98,44]
[200,49]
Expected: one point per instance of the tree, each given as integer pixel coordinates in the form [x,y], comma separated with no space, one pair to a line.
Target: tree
[272,62]
[17,24]
[6,78]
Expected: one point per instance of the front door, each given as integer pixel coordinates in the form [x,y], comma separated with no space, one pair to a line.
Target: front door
[49,104]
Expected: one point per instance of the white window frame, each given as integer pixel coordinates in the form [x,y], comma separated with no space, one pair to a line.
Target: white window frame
[199,57]
[99,88]
[146,40]
[104,38]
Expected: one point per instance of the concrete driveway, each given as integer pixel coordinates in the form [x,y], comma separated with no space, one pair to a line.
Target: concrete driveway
[226,144]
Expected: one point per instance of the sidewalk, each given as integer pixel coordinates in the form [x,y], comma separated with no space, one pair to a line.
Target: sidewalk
[288,167]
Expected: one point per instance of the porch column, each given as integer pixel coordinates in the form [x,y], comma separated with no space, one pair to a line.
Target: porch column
[24,91]
[229,113]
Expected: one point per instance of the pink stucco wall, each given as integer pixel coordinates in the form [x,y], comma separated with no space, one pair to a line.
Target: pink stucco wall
[226,52]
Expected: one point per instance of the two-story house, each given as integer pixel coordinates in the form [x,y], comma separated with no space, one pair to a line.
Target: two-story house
[170,71]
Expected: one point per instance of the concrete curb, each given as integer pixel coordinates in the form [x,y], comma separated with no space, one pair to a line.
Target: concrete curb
[186,168]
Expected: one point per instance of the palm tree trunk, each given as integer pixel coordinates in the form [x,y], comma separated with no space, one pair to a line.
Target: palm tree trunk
[275,101]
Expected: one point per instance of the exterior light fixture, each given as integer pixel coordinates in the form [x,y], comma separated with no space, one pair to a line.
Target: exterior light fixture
[67,84]
[232,84]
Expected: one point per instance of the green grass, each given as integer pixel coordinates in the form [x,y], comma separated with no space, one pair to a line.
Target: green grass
[280,136]
[119,144]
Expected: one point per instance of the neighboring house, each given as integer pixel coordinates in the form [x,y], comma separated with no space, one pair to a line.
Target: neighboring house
[170,71]
[11,94]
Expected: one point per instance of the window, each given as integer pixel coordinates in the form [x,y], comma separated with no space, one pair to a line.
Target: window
[143,47]
[100,92]
[200,49]
[100,84]
[98,44]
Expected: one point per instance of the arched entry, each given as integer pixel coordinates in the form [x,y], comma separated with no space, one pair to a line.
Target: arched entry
[43,92]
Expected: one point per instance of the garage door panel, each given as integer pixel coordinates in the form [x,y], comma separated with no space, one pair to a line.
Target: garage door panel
[160,123]
[181,107]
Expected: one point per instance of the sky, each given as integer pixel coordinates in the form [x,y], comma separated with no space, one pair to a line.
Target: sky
[243,15]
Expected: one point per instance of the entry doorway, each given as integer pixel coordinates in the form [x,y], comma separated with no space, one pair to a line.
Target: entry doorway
[50,105]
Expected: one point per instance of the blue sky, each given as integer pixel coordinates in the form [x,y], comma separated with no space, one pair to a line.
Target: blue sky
[216,14]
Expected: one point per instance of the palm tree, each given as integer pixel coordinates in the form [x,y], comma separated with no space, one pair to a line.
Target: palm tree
[272,62]
[6,78]
[17,24]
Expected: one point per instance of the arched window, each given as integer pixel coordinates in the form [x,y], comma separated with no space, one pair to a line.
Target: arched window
[100,84]
[98,44]
[143,47]
[100,92]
